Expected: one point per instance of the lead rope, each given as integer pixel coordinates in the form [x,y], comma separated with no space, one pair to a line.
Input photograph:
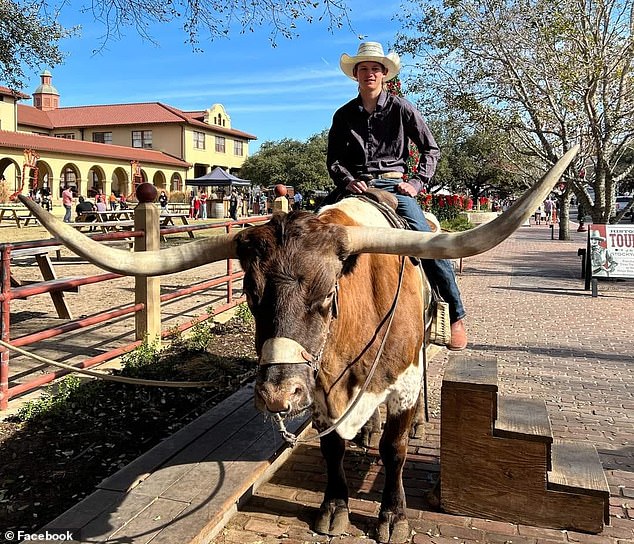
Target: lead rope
[291,438]
[106,377]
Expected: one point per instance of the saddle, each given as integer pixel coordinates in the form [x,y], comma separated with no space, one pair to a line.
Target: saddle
[437,324]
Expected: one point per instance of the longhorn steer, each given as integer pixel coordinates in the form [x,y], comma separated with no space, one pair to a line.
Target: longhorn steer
[299,268]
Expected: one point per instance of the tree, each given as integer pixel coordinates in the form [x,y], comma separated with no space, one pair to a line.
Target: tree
[290,162]
[549,74]
[29,36]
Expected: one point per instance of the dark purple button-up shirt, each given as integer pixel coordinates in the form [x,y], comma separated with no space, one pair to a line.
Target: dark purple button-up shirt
[373,143]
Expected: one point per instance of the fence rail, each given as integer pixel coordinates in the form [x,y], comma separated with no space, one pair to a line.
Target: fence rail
[147,223]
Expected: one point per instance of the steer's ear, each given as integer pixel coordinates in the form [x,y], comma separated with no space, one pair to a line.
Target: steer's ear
[253,244]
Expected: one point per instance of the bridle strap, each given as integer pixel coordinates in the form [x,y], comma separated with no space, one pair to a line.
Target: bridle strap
[284,351]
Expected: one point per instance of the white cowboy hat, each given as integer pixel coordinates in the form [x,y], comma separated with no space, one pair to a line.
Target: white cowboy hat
[596,235]
[371,51]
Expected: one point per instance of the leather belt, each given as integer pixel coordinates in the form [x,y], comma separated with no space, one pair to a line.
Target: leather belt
[389,175]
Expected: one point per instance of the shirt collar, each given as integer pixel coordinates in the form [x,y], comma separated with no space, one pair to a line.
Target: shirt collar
[380,104]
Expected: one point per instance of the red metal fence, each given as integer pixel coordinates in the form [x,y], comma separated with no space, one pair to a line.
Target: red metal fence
[39,248]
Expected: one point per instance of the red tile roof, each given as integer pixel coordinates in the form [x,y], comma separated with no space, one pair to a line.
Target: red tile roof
[150,113]
[32,117]
[23,140]
[5,91]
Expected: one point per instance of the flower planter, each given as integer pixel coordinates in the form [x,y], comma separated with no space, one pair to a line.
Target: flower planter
[478,218]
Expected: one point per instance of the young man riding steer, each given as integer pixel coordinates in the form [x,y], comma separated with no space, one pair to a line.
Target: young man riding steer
[368,145]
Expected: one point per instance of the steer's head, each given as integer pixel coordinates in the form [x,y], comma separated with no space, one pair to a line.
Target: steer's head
[291,267]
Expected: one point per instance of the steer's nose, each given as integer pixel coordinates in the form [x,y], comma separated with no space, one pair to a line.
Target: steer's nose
[281,399]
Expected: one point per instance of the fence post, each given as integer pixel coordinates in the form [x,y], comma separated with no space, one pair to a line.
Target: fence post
[147,289]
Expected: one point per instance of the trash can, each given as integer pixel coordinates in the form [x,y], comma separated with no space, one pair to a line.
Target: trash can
[218,209]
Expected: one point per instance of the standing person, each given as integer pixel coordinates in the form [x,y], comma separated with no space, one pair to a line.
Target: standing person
[112,199]
[297,201]
[538,215]
[67,201]
[369,140]
[263,202]
[233,205]
[203,205]
[196,206]
[163,201]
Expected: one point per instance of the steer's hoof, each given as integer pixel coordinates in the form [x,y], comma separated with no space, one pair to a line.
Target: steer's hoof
[332,518]
[392,529]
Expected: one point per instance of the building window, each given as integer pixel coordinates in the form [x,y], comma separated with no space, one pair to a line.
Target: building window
[220,144]
[142,138]
[238,148]
[102,137]
[199,140]
[66,136]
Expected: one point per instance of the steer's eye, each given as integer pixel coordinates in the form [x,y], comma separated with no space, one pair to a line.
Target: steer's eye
[327,302]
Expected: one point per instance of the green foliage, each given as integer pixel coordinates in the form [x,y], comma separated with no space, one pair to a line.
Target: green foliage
[243,313]
[457,224]
[144,355]
[290,162]
[54,398]
[544,75]
[29,39]
[200,334]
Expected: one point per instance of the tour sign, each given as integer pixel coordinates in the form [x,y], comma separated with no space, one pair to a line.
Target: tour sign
[611,251]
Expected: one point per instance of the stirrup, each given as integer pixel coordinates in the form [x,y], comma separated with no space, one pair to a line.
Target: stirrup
[440,331]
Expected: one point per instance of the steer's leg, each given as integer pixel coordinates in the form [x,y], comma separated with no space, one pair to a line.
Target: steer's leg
[393,526]
[333,513]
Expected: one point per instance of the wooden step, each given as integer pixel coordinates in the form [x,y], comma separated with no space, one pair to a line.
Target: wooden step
[576,468]
[479,374]
[523,419]
[498,459]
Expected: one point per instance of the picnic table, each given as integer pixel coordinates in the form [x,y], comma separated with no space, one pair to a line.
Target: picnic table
[103,226]
[168,219]
[18,215]
[105,216]
[49,276]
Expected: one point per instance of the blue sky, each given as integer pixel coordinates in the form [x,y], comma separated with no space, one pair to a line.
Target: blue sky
[290,91]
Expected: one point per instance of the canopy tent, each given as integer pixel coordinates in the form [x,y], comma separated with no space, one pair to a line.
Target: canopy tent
[218,178]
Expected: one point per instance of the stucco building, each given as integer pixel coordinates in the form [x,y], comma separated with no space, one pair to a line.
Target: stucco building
[111,147]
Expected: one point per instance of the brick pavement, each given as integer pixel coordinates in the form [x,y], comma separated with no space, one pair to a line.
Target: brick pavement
[527,307]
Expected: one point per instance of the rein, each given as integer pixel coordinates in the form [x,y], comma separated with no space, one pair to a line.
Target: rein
[291,438]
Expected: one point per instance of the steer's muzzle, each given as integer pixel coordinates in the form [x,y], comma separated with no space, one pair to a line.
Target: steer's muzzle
[284,389]
[285,379]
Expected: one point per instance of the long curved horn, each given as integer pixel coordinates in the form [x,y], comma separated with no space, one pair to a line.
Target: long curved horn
[463,244]
[146,263]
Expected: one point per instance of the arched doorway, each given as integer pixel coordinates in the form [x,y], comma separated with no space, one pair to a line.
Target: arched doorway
[120,182]
[96,181]
[69,177]
[176,184]
[159,180]
[11,174]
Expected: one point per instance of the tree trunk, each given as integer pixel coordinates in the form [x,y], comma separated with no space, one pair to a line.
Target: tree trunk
[564,215]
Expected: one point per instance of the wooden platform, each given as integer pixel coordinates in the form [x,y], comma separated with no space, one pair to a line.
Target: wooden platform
[499,461]
[184,489]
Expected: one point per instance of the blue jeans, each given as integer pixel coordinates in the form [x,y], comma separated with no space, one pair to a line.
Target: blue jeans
[439,271]
[67,213]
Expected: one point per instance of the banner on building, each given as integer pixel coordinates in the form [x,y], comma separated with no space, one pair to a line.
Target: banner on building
[611,251]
